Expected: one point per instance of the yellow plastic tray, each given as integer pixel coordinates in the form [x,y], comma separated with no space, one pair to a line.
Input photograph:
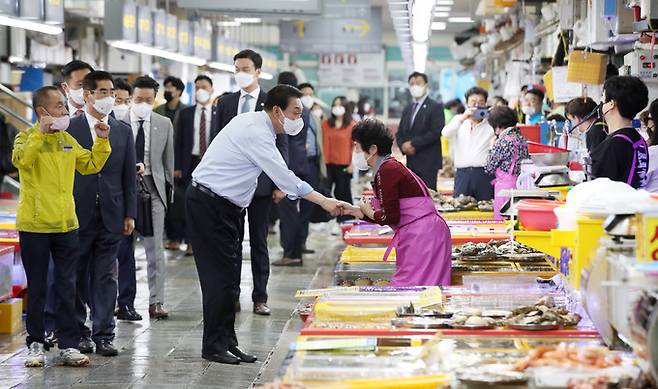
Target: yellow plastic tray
[353,254]
[467,215]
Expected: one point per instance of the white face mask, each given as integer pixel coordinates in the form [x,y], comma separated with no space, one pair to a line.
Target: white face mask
[76,95]
[366,107]
[361,162]
[60,123]
[292,127]
[317,112]
[202,96]
[142,110]
[307,101]
[417,91]
[528,110]
[104,106]
[243,79]
[120,111]
[338,110]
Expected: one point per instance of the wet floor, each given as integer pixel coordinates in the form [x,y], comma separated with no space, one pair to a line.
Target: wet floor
[167,353]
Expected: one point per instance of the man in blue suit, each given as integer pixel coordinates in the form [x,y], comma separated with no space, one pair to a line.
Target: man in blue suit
[106,205]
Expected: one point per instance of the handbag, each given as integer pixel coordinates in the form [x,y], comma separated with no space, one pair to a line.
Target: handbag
[144,219]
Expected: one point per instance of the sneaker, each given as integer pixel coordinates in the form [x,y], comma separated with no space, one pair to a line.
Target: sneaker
[72,357]
[35,355]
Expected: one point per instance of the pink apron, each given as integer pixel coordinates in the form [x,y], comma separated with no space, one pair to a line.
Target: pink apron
[422,242]
[504,180]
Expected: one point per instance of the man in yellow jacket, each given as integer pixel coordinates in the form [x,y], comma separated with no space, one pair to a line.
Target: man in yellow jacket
[47,157]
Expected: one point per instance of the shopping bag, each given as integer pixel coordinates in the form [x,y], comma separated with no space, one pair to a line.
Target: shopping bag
[144,218]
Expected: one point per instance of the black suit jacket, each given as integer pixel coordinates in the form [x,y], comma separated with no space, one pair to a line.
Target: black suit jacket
[184,139]
[425,135]
[115,184]
[226,110]
[297,154]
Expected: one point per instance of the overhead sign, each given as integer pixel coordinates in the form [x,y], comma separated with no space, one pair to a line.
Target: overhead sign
[354,70]
[347,9]
[184,38]
[172,33]
[144,25]
[53,12]
[333,35]
[120,21]
[160,28]
[278,7]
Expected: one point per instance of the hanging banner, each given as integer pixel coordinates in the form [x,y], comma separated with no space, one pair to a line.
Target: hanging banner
[120,22]
[144,25]
[352,70]
[8,7]
[172,33]
[160,28]
[54,11]
[184,39]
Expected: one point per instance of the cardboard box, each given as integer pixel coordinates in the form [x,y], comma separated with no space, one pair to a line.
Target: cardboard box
[11,315]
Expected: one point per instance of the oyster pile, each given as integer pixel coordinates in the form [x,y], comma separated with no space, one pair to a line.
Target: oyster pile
[493,248]
[477,318]
[461,203]
[544,313]
[485,206]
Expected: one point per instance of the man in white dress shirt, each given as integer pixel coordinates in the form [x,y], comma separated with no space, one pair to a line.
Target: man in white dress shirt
[471,137]
[73,73]
[223,185]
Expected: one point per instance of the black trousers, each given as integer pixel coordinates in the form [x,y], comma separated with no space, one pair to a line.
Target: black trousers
[215,235]
[339,180]
[96,282]
[127,273]
[175,217]
[474,182]
[292,224]
[306,207]
[36,249]
[258,214]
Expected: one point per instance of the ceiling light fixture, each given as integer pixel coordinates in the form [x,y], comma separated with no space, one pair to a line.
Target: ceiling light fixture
[439,26]
[442,9]
[248,20]
[148,50]
[441,14]
[229,23]
[460,19]
[420,56]
[421,17]
[445,2]
[231,69]
[30,25]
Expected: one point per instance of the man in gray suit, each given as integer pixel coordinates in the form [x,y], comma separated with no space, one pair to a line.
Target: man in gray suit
[154,148]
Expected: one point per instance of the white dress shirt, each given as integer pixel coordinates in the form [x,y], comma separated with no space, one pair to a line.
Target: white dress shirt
[252,101]
[134,123]
[73,109]
[197,127]
[470,141]
[92,122]
[243,150]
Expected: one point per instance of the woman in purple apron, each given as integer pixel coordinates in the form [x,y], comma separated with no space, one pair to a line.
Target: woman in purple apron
[506,154]
[402,201]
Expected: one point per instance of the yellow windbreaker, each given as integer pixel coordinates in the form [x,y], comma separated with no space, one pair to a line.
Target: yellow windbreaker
[46,165]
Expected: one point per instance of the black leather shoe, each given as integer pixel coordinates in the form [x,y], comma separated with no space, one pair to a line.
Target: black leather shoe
[307,251]
[129,314]
[246,358]
[221,357]
[106,349]
[86,346]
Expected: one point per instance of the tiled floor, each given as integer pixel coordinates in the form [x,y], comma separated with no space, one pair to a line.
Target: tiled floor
[167,353]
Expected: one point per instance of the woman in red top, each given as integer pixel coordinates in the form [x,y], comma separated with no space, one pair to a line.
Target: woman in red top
[402,201]
[337,148]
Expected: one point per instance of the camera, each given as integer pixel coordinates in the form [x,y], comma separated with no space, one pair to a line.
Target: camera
[481,113]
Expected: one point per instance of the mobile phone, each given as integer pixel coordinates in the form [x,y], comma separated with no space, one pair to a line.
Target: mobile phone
[481,112]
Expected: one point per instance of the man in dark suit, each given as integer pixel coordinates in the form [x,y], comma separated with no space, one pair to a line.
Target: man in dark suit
[292,224]
[191,140]
[419,133]
[106,206]
[251,98]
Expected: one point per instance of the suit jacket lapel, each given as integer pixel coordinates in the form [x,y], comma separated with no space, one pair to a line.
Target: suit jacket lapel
[84,135]
[260,104]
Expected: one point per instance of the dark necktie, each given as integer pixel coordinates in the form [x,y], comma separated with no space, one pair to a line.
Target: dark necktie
[414,106]
[78,112]
[202,132]
[140,142]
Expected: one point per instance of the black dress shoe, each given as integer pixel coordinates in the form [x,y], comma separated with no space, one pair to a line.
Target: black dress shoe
[246,358]
[86,346]
[128,314]
[221,357]
[307,251]
[106,349]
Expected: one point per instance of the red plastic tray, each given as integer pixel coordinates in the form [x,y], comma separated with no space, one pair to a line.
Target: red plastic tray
[538,148]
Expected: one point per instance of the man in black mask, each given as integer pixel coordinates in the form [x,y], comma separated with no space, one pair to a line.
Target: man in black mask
[173,90]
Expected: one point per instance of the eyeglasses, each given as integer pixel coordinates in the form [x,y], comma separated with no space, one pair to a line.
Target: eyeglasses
[103,92]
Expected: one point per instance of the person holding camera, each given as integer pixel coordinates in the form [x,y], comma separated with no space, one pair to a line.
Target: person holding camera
[471,135]
[505,157]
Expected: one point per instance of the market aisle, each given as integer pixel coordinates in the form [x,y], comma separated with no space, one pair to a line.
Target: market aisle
[167,353]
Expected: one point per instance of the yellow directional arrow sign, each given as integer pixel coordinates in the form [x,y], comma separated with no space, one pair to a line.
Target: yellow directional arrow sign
[363,27]
[300,28]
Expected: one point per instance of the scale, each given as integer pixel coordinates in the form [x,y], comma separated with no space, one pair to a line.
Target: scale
[551,176]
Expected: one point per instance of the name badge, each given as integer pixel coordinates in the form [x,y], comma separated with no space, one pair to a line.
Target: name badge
[67,148]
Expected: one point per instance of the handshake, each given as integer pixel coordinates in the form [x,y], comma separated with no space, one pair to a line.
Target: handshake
[341,208]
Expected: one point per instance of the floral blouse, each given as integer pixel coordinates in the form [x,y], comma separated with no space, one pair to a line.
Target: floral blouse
[502,152]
